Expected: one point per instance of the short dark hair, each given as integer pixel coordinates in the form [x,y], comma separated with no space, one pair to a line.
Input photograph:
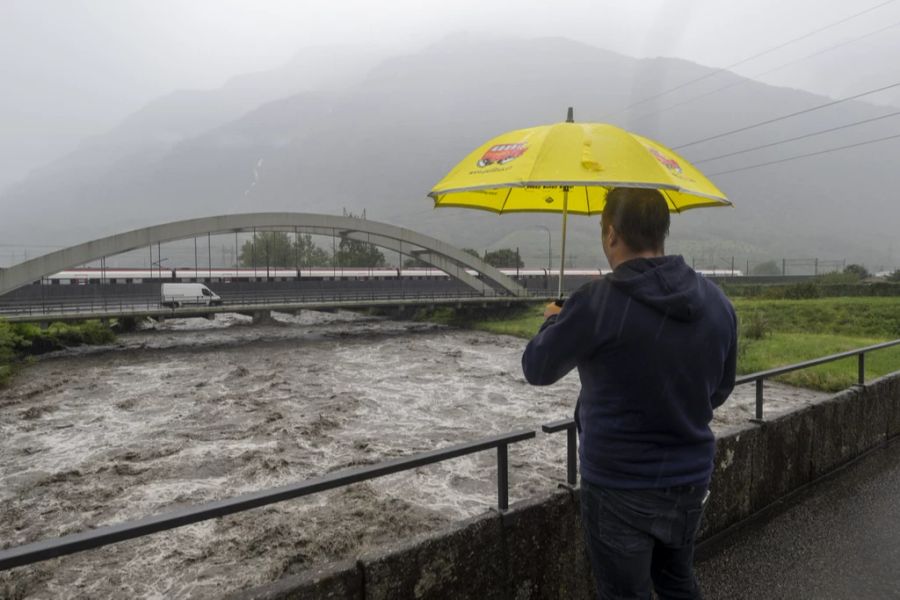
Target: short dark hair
[639,215]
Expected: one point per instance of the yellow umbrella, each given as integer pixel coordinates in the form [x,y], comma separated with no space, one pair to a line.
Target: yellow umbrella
[569,168]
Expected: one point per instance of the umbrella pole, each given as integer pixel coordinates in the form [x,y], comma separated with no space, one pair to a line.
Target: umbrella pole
[562,258]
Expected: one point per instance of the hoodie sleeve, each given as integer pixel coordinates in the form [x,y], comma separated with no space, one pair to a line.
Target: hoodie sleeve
[561,342]
[728,375]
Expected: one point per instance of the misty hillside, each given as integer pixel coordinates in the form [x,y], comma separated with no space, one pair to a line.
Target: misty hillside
[380,143]
[151,132]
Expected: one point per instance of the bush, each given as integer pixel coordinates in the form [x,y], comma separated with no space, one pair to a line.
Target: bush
[767,268]
[21,340]
[857,271]
[95,333]
[797,291]
[504,258]
[838,278]
[755,326]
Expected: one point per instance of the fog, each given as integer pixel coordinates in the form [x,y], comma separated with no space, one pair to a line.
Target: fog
[79,71]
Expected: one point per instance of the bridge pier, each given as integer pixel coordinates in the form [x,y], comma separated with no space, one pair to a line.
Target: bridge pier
[260,316]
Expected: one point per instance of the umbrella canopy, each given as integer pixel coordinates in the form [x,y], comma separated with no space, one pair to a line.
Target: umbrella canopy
[527,170]
[569,168]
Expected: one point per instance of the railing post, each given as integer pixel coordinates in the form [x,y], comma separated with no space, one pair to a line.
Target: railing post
[502,477]
[862,368]
[759,399]
[572,455]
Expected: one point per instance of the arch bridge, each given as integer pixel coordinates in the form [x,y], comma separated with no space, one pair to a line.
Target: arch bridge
[486,282]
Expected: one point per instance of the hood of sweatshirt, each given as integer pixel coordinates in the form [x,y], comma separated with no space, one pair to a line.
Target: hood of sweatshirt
[665,283]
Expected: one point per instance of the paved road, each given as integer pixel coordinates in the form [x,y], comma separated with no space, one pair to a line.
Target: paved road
[838,540]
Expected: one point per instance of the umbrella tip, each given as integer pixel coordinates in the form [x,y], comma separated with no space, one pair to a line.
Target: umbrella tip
[570,116]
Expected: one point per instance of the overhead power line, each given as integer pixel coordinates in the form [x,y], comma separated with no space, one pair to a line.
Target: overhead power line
[788,116]
[820,152]
[754,78]
[795,138]
[755,56]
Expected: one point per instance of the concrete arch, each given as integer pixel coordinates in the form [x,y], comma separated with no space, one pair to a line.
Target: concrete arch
[430,250]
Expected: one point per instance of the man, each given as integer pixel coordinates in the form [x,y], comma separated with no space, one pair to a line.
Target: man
[655,345]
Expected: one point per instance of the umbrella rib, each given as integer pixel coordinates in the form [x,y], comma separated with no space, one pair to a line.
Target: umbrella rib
[502,206]
[671,201]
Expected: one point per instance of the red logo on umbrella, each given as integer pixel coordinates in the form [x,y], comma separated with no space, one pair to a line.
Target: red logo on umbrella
[669,163]
[502,154]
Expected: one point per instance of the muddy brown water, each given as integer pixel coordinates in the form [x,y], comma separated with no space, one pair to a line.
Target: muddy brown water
[195,410]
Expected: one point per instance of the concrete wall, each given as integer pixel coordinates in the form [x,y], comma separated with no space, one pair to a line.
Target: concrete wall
[535,549]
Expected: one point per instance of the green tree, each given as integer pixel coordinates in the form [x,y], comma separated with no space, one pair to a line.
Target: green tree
[895,276]
[268,249]
[504,258]
[473,252]
[858,271]
[769,267]
[414,263]
[310,255]
[354,253]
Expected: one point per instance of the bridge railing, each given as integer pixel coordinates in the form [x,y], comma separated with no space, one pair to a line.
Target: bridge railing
[136,305]
[103,536]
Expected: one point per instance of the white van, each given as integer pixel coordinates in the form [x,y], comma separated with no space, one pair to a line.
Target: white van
[174,295]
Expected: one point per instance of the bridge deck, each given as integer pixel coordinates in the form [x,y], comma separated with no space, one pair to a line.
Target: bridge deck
[838,539]
[124,308]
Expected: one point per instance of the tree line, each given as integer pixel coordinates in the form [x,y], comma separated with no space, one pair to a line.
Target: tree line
[276,249]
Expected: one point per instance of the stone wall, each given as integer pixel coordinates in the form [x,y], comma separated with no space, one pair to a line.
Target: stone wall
[535,549]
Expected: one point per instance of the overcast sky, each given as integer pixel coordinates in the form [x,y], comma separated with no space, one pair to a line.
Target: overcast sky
[74,68]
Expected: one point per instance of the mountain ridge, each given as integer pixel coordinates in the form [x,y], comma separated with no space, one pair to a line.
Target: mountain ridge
[381,142]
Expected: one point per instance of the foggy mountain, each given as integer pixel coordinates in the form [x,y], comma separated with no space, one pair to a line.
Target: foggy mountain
[380,143]
[148,134]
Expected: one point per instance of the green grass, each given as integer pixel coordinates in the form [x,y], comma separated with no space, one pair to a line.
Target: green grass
[779,349]
[797,330]
[791,331]
[522,323]
[860,316]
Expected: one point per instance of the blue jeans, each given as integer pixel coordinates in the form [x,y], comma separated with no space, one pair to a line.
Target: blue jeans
[642,538]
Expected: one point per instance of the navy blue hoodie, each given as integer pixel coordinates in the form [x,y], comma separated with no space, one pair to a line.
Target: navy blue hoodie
[655,345]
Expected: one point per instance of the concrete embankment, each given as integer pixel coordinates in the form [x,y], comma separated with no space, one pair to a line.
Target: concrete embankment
[535,549]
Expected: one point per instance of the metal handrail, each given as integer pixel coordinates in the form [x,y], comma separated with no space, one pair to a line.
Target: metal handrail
[760,377]
[235,303]
[131,303]
[568,425]
[110,534]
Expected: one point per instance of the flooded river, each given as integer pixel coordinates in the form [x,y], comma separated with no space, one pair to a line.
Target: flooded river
[195,410]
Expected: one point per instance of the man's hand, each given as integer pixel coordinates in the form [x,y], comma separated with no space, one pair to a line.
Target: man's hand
[551,309]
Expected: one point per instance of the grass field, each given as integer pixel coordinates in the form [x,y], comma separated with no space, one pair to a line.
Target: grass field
[775,333]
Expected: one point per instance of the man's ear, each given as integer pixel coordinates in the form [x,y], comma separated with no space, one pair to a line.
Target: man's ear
[612,237]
